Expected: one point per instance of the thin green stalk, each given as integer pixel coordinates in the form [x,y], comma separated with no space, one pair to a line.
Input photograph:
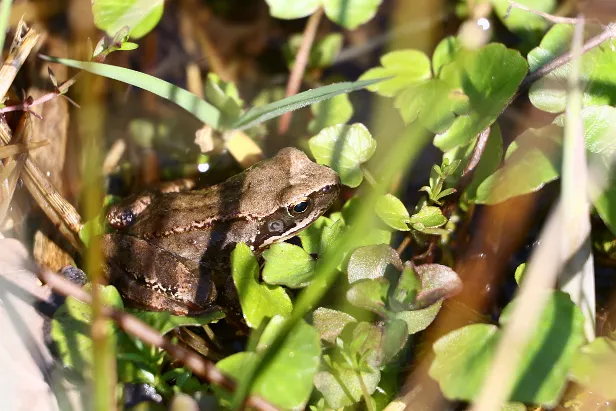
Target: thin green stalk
[365,393]
[5,14]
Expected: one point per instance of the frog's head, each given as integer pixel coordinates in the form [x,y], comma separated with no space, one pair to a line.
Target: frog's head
[300,191]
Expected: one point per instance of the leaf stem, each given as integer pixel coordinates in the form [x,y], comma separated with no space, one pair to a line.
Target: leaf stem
[364,390]
[301,61]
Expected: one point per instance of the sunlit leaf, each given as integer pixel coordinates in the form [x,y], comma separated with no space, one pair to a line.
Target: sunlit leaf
[350,13]
[141,16]
[288,265]
[406,66]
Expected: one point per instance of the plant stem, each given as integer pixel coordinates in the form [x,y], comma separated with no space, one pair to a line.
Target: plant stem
[365,393]
[301,61]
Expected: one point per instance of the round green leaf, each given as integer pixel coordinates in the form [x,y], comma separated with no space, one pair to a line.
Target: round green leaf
[521,22]
[532,160]
[344,148]
[393,212]
[287,378]
[490,78]
[428,217]
[350,13]
[445,52]
[437,283]
[463,356]
[311,235]
[370,262]
[336,110]
[287,10]
[370,295]
[419,320]
[594,366]
[407,66]
[140,16]
[258,301]
[599,129]
[288,265]
[330,323]
[598,76]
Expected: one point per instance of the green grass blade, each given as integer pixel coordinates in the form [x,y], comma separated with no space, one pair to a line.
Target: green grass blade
[258,115]
[201,109]
[5,13]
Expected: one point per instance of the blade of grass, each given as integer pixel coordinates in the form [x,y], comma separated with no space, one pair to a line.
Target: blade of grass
[258,115]
[201,109]
[5,14]
[578,276]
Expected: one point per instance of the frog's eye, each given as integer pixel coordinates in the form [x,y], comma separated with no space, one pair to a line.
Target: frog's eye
[300,207]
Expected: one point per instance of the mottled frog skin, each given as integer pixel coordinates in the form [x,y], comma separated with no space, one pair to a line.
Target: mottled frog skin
[171,251]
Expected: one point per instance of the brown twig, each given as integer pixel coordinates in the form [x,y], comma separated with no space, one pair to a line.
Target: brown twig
[471,166]
[301,61]
[132,325]
[549,17]
[605,35]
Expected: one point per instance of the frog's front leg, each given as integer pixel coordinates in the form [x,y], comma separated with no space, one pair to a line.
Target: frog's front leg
[156,279]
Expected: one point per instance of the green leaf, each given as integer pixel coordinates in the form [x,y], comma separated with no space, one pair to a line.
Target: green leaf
[407,68]
[406,291]
[225,97]
[140,16]
[419,320]
[393,212]
[288,10]
[257,115]
[394,339]
[70,330]
[330,323]
[428,217]
[350,13]
[463,356]
[371,261]
[490,78]
[311,235]
[288,265]
[370,295]
[445,52]
[287,379]
[344,148]
[599,129]
[489,162]
[519,273]
[336,110]
[201,109]
[528,25]
[258,301]
[164,322]
[532,160]
[606,202]
[598,76]
[437,283]
[433,102]
[593,367]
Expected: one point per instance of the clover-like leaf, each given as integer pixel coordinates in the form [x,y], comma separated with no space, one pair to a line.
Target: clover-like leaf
[393,212]
[419,320]
[490,78]
[289,265]
[463,356]
[532,160]
[258,301]
[370,262]
[330,323]
[594,365]
[329,383]
[336,110]
[287,378]
[445,52]
[406,66]
[344,148]
[140,16]
[597,75]
[70,330]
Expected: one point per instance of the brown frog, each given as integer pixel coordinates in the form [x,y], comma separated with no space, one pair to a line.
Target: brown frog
[171,251]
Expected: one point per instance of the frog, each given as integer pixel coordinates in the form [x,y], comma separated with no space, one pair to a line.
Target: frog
[171,251]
